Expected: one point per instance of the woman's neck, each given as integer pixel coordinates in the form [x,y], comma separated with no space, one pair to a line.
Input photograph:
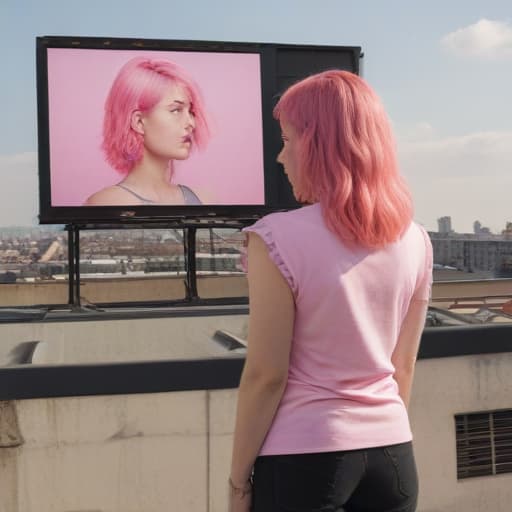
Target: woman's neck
[150,174]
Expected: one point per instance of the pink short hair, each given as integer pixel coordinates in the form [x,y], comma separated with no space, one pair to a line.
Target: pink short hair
[347,158]
[140,85]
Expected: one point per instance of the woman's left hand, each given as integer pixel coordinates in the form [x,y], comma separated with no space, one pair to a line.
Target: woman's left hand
[239,503]
[240,497]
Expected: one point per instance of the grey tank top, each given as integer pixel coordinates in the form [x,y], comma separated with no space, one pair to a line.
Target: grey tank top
[189,197]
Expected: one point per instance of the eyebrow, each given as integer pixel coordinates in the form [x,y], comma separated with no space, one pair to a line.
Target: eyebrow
[181,102]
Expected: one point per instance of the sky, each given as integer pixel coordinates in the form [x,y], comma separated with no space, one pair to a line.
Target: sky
[442,69]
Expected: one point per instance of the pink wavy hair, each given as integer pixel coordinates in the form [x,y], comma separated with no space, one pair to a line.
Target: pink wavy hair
[346,158]
[140,85]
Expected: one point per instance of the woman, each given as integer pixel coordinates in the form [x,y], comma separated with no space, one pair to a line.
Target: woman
[338,295]
[153,116]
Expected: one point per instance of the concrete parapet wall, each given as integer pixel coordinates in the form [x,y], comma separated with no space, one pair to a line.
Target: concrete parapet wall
[214,286]
[120,290]
[171,451]
[130,453]
[443,388]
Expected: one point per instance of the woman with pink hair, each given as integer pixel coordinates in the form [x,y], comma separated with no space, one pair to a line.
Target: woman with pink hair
[338,293]
[153,115]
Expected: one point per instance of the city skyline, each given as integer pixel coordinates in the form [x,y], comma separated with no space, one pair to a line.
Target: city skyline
[445,90]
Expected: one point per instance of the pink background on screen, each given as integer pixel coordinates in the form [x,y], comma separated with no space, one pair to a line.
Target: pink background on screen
[229,171]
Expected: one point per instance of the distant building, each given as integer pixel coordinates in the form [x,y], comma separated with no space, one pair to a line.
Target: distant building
[471,253]
[507,232]
[480,230]
[444,225]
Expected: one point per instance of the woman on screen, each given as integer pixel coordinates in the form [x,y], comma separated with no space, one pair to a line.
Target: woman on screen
[153,116]
[338,293]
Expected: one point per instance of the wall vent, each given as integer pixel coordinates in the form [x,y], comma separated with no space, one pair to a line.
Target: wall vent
[484,443]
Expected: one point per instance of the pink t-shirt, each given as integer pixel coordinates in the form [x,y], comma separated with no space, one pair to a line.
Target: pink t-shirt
[349,306]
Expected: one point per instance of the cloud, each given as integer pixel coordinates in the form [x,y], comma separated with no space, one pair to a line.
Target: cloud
[484,39]
[468,177]
[418,132]
[19,192]
[485,154]
[464,199]
[20,161]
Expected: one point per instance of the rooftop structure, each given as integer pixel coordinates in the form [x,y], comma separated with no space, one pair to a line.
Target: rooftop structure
[144,400]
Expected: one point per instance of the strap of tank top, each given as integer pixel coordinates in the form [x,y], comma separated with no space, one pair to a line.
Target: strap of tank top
[143,199]
[189,195]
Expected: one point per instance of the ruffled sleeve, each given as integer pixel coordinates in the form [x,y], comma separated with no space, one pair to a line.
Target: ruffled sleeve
[264,230]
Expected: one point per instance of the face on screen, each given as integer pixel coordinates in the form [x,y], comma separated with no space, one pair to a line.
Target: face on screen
[204,133]
[168,127]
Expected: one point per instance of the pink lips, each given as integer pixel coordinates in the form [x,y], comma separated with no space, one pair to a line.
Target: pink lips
[187,138]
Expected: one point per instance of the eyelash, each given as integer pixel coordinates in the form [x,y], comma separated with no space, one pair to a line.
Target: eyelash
[180,109]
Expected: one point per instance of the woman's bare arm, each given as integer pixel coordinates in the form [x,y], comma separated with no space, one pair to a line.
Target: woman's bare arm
[406,350]
[272,313]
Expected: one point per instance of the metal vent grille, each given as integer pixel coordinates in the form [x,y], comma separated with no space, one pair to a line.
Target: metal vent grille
[484,443]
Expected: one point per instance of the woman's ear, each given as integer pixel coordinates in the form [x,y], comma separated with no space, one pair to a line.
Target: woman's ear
[137,122]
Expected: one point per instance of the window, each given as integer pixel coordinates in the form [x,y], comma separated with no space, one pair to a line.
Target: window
[219,265]
[132,265]
[484,443]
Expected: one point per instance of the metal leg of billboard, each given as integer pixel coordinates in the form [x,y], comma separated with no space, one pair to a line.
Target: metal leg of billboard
[73,266]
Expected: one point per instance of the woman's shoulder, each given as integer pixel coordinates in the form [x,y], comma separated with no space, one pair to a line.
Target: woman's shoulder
[110,196]
[418,232]
[287,225]
[295,216]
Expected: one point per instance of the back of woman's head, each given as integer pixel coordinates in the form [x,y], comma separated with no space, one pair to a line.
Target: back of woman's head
[346,157]
[139,85]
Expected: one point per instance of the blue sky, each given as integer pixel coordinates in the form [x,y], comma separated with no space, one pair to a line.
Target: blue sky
[443,70]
